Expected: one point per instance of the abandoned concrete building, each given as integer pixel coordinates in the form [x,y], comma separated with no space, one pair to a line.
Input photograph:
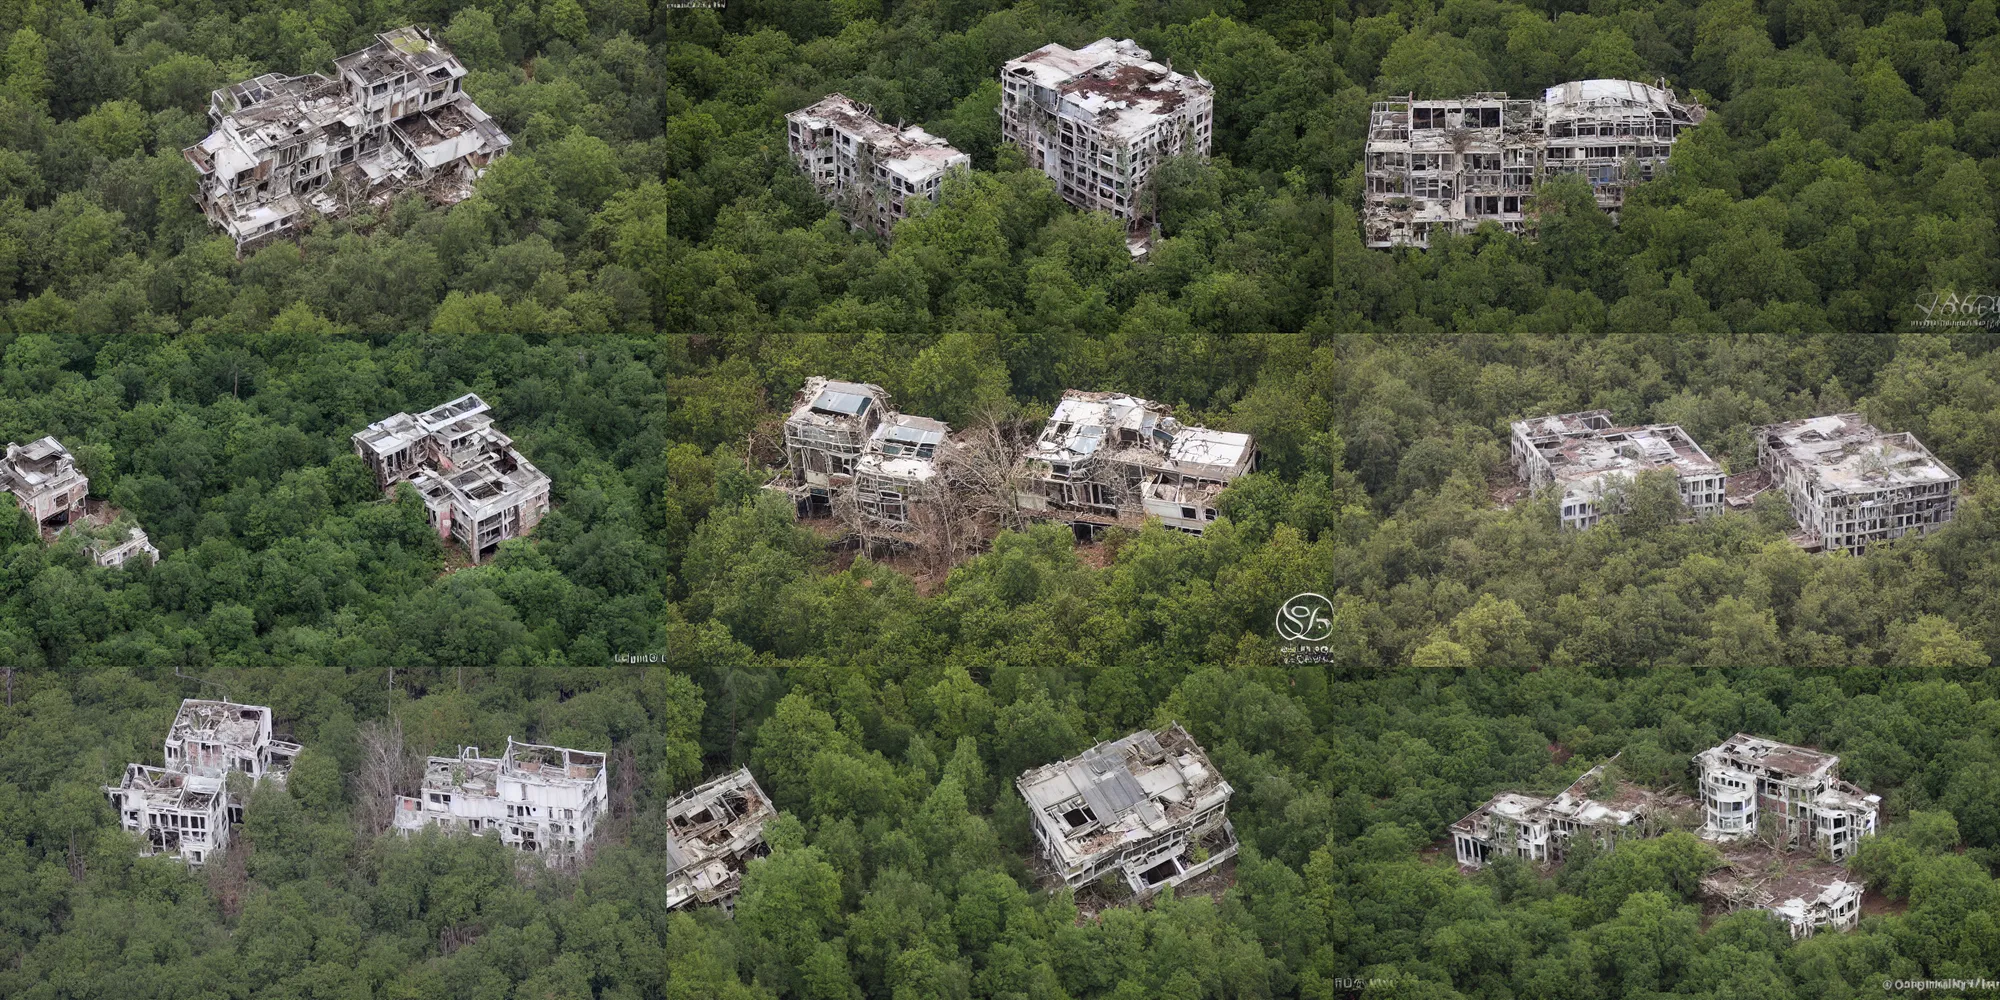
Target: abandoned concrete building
[829,429]
[1100,119]
[394,118]
[1536,829]
[1105,458]
[871,171]
[541,800]
[1851,485]
[1757,788]
[117,551]
[1589,458]
[477,489]
[899,469]
[1452,164]
[185,809]
[1148,806]
[1807,894]
[44,480]
[712,833]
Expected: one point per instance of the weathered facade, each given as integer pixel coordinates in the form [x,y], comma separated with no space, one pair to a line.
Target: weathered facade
[1589,459]
[712,833]
[1540,830]
[185,808]
[1106,458]
[43,478]
[118,552]
[1752,786]
[1808,895]
[871,171]
[1099,120]
[393,118]
[899,469]
[477,489]
[541,800]
[1451,164]
[1149,807]
[1851,485]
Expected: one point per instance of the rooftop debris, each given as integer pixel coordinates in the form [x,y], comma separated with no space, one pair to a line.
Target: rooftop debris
[393,118]
[1806,893]
[713,831]
[1589,458]
[477,489]
[1851,484]
[1149,806]
[1533,828]
[185,809]
[871,170]
[1449,164]
[1106,458]
[542,800]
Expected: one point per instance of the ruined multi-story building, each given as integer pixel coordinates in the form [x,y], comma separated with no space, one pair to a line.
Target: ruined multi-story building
[1532,828]
[1754,787]
[1851,485]
[393,118]
[825,436]
[1807,894]
[1099,121]
[45,482]
[1149,806]
[541,800]
[873,172]
[185,808]
[1589,458]
[477,489]
[712,833]
[1106,458]
[1451,164]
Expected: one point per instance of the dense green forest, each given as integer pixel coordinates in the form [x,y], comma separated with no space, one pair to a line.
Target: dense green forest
[1476,649]
[1846,176]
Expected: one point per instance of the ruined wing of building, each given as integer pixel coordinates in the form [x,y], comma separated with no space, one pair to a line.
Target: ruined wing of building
[871,171]
[1751,786]
[1100,120]
[1589,459]
[1450,164]
[1149,807]
[1106,458]
[477,489]
[1807,895]
[185,808]
[394,117]
[712,833]
[541,800]
[1540,830]
[43,478]
[1851,485]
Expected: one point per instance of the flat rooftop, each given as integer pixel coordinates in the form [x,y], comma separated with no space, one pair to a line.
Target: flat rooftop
[1844,453]
[1112,83]
[1585,98]
[909,152]
[1583,448]
[1782,758]
[224,722]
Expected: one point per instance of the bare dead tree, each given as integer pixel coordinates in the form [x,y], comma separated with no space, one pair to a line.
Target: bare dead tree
[387,768]
[976,493]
